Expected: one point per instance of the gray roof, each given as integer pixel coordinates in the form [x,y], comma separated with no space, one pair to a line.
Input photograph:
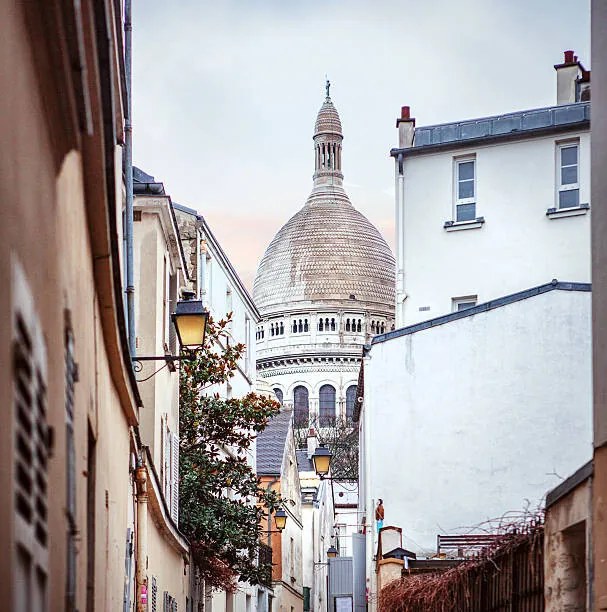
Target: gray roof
[511,125]
[271,444]
[480,308]
[304,464]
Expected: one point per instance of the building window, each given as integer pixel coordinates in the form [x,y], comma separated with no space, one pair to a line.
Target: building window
[568,176]
[301,406]
[282,328]
[359,326]
[347,324]
[332,324]
[320,325]
[350,402]
[462,303]
[465,190]
[326,405]
[278,394]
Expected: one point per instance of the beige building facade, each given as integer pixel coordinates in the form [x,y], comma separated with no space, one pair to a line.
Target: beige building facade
[71,403]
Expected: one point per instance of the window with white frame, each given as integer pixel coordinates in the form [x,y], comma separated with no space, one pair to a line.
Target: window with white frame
[465,189]
[568,175]
[462,303]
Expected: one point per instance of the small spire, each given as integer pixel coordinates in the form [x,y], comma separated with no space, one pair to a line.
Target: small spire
[328,86]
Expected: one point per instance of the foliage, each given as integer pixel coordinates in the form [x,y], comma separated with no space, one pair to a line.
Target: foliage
[340,436]
[221,501]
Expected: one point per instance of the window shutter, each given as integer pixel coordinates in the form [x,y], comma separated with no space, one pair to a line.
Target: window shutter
[32,443]
[70,379]
[154,594]
[174,478]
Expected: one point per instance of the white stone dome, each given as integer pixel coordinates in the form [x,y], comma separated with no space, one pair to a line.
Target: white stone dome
[330,253]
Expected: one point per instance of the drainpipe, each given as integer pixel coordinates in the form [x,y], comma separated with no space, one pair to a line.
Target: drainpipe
[369,509]
[141,477]
[128,172]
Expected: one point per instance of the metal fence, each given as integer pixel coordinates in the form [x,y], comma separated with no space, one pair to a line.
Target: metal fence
[510,581]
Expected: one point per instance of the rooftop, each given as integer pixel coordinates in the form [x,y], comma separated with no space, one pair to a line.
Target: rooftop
[480,308]
[518,124]
[271,444]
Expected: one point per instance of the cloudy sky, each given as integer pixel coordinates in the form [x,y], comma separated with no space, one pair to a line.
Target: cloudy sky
[226,92]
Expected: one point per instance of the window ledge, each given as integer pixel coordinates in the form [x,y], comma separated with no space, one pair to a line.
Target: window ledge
[455,226]
[559,213]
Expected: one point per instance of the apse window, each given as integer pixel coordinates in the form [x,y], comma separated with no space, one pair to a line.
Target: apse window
[465,189]
[463,303]
[568,175]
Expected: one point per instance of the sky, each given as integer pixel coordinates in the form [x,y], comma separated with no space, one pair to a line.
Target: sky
[226,93]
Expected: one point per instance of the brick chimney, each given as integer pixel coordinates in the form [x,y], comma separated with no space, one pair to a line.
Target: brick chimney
[570,75]
[406,128]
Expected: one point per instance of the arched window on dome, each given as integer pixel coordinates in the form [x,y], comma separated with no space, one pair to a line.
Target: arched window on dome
[320,325]
[326,406]
[332,324]
[359,327]
[350,402]
[282,328]
[271,329]
[347,324]
[301,406]
[373,327]
[294,326]
[326,324]
[278,394]
[300,327]
[383,328]
[306,328]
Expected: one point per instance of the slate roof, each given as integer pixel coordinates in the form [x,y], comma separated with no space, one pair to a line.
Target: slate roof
[518,124]
[271,444]
[303,463]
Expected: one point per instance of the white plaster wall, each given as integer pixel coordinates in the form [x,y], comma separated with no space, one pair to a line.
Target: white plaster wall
[516,248]
[471,419]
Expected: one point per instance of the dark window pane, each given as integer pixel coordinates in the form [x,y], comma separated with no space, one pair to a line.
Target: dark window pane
[464,305]
[326,405]
[466,212]
[568,175]
[568,199]
[301,406]
[569,156]
[278,394]
[466,189]
[350,401]
[466,170]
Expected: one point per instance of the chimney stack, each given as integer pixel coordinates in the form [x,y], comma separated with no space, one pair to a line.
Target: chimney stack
[406,128]
[312,442]
[568,77]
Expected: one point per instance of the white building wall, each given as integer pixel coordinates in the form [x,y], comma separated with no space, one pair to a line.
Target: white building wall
[517,247]
[477,417]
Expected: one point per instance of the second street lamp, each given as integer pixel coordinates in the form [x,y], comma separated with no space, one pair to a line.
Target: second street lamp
[280,519]
[322,461]
[332,552]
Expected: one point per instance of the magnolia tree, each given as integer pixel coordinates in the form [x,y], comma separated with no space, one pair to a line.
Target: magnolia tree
[221,501]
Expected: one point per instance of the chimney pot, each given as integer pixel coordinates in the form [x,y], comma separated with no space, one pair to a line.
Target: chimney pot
[569,57]
[575,59]
[405,112]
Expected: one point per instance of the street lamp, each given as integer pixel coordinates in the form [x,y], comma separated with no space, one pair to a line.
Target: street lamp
[322,461]
[332,552]
[190,320]
[280,519]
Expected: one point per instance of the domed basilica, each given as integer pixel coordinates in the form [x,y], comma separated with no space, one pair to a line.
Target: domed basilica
[324,287]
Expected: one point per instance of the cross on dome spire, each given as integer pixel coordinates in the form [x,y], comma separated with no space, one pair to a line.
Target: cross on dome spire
[327,144]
